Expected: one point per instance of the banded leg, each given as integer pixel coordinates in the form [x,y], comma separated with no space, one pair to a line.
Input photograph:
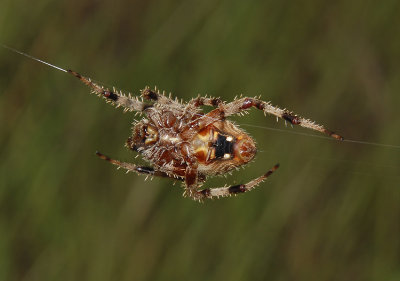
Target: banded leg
[245,103]
[208,193]
[117,98]
[156,96]
[141,170]
[199,101]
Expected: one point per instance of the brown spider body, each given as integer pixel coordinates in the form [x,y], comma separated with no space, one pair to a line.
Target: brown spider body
[182,142]
[170,139]
[216,149]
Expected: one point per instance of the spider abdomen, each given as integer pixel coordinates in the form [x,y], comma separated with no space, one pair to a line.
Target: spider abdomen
[221,146]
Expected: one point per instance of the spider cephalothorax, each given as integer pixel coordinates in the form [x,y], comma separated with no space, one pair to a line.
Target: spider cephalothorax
[182,142]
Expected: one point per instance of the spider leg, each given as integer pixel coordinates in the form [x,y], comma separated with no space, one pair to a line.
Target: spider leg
[156,96]
[242,104]
[199,101]
[209,193]
[141,170]
[117,98]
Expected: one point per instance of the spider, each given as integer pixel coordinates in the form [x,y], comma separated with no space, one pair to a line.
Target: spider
[183,143]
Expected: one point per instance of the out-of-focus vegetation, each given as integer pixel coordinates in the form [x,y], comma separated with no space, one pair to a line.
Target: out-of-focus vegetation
[331,212]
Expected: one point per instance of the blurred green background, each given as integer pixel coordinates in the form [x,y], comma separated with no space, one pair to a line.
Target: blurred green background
[331,212]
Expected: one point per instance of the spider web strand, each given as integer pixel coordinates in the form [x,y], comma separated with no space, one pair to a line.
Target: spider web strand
[323,137]
[32,57]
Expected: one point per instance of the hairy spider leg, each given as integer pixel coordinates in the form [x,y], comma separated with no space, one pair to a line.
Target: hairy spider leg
[210,193]
[117,98]
[156,96]
[245,103]
[199,101]
[141,170]
[242,104]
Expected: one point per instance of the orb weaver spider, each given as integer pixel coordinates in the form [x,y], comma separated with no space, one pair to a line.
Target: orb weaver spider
[183,143]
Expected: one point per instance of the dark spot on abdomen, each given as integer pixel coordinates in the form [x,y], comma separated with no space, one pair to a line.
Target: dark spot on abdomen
[222,146]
